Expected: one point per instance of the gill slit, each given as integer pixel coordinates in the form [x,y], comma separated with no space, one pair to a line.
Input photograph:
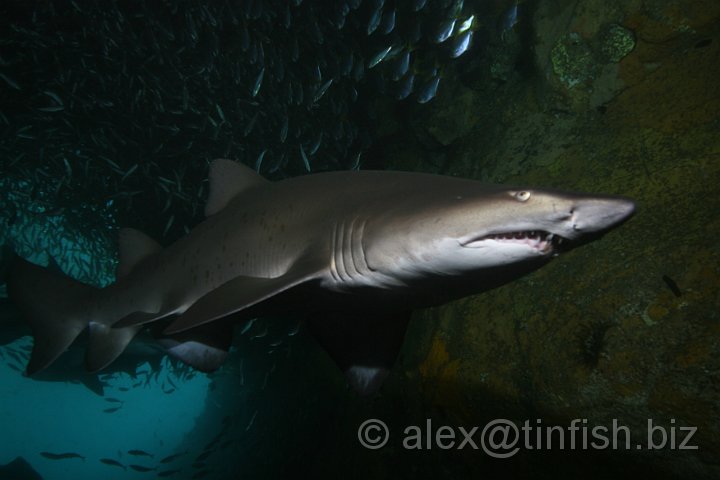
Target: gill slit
[347,251]
[341,270]
[362,256]
[356,247]
[333,254]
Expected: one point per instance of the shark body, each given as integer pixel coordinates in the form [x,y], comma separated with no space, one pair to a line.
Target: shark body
[355,252]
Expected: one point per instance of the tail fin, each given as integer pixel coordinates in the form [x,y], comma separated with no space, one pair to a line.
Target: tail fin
[54,305]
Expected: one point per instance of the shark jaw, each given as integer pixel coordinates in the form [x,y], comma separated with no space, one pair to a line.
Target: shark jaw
[541,242]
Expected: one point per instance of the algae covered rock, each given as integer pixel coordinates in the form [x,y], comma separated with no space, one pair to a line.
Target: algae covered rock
[577,61]
[625,329]
[452,114]
[572,60]
[616,42]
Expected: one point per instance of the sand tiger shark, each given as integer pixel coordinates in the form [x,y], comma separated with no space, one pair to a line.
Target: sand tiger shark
[353,252]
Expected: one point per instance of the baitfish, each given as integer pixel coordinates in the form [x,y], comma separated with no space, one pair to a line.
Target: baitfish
[140,453]
[115,463]
[170,458]
[140,468]
[61,456]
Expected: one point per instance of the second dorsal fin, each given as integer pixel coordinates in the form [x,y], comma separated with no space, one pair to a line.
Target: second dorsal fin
[227,179]
[134,246]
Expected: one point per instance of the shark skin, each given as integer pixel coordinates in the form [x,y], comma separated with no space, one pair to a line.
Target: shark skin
[352,252]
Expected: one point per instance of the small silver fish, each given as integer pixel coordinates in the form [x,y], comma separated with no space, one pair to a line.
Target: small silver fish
[54,96]
[388,22]
[321,90]
[314,147]
[258,82]
[247,325]
[402,64]
[61,456]
[374,20]
[260,334]
[115,463]
[140,468]
[168,224]
[347,64]
[258,162]
[10,81]
[466,25]
[445,30]
[294,330]
[355,166]
[53,109]
[129,172]
[405,88]
[139,453]
[378,57]
[252,420]
[170,458]
[305,158]
[284,129]
[461,43]
[249,127]
[427,92]
[510,18]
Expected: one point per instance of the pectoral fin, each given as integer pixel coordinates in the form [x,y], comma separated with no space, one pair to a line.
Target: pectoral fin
[364,345]
[204,348]
[241,293]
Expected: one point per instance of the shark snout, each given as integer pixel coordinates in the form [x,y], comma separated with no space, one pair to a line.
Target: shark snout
[595,214]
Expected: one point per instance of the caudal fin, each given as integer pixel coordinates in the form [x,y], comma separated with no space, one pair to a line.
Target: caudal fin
[53,304]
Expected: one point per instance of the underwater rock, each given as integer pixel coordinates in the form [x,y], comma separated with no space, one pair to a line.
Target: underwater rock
[586,69]
[579,50]
[453,113]
[572,60]
[576,61]
[603,334]
[616,42]
[678,97]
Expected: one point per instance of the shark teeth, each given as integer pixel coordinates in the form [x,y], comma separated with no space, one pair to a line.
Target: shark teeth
[538,239]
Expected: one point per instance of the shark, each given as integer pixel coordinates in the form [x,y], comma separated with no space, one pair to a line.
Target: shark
[352,252]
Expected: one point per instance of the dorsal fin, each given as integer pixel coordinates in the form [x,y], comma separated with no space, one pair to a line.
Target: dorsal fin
[134,246]
[227,179]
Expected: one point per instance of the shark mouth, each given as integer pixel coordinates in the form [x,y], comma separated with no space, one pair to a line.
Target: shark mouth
[539,240]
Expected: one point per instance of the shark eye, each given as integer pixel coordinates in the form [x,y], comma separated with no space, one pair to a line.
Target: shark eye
[523,196]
